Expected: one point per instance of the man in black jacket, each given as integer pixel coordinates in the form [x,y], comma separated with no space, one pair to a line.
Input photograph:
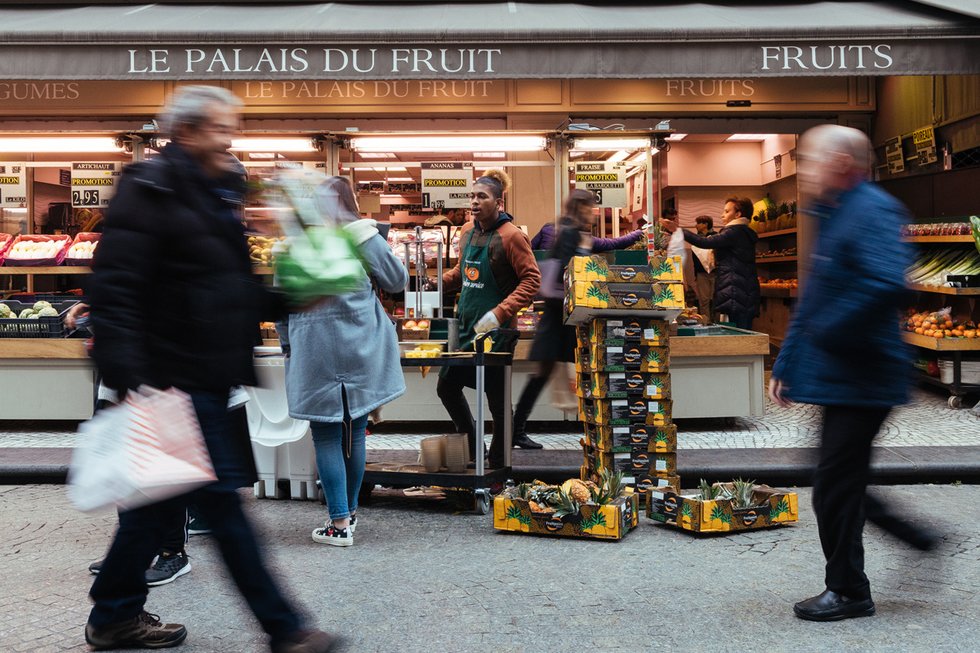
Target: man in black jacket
[175,304]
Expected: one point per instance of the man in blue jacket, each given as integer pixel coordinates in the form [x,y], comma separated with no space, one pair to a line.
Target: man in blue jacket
[856,276]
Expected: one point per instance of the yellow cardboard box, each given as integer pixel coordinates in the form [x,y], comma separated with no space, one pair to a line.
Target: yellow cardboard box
[597,268]
[620,330]
[625,411]
[770,506]
[620,358]
[658,439]
[609,522]
[602,385]
[632,296]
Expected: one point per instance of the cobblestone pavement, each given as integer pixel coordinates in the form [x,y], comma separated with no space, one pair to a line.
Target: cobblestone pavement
[423,579]
[926,421]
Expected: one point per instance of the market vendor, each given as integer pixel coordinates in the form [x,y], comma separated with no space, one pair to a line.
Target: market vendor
[496,276]
[736,291]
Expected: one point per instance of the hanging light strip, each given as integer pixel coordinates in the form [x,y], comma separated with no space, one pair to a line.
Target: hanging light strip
[452,144]
[258,144]
[58,145]
[607,144]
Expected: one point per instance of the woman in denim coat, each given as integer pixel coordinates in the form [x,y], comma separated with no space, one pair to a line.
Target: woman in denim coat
[343,362]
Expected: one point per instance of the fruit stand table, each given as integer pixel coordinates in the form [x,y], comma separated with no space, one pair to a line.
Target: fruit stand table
[479,479]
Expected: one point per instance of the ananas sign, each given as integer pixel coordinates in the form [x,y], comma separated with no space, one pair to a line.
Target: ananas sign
[446,185]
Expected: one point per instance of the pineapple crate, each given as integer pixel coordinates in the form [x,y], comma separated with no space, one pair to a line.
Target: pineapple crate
[600,522]
[619,385]
[624,296]
[614,412]
[622,358]
[619,331]
[48,326]
[596,268]
[750,507]
[633,462]
[658,439]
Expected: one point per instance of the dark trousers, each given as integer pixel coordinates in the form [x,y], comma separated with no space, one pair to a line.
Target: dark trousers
[120,590]
[742,320]
[529,396]
[839,489]
[450,391]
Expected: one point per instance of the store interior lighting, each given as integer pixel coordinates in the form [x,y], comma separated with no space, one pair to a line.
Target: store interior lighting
[68,144]
[609,144]
[489,155]
[256,144]
[620,155]
[676,137]
[452,144]
[749,138]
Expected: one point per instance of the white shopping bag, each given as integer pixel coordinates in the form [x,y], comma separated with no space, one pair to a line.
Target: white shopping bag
[141,451]
[563,386]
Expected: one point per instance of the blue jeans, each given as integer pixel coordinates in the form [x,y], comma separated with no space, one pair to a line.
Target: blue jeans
[119,591]
[340,474]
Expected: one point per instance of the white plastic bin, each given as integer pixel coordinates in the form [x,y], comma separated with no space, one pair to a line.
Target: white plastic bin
[283,446]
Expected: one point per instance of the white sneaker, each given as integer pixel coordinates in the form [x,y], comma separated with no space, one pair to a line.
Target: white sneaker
[328,534]
[353,524]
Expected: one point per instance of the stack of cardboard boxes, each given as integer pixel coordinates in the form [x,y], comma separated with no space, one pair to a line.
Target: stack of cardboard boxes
[622,366]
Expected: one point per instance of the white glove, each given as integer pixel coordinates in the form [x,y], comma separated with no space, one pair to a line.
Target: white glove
[486,323]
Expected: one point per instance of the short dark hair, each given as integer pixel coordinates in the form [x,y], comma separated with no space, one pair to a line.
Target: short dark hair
[705,219]
[742,204]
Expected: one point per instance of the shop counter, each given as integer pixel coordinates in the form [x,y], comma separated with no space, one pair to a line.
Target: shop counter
[717,373]
[46,378]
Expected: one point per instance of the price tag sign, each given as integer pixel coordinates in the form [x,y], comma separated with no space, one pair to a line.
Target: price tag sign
[894,156]
[606,180]
[446,185]
[93,184]
[925,145]
[13,186]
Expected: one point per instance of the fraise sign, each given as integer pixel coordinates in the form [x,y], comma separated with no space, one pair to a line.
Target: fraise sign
[272,60]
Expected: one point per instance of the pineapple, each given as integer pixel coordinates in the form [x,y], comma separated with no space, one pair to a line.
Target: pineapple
[577,490]
[566,505]
[742,493]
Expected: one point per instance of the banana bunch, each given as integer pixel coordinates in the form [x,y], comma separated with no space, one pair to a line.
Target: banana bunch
[260,249]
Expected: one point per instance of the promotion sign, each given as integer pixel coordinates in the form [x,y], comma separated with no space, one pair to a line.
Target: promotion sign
[93,184]
[446,185]
[605,179]
[925,145]
[13,186]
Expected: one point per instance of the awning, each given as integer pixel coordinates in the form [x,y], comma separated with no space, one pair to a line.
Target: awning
[504,40]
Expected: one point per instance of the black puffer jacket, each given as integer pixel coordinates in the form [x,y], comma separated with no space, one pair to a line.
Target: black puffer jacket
[174,301]
[736,281]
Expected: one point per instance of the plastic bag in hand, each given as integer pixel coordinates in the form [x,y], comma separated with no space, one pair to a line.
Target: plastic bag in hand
[675,246]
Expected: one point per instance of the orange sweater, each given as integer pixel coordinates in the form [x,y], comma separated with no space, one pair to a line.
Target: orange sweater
[512,261]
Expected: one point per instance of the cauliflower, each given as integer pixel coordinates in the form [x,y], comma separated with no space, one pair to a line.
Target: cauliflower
[47,311]
[5,311]
[26,313]
[41,304]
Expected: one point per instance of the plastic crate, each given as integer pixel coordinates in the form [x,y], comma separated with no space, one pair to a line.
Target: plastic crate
[42,327]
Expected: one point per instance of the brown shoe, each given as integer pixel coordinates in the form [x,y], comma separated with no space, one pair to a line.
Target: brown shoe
[143,631]
[310,641]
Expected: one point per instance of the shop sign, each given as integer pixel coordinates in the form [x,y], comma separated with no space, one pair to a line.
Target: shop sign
[446,185]
[466,61]
[13,186]
[93,184]
[605,179]
[894,156]
[925,145]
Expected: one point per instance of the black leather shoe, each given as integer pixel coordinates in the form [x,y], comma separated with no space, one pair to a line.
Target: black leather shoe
[521,440]
[831,606]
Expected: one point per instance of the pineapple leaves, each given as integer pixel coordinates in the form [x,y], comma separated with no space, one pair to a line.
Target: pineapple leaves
[779,509]
[597,518]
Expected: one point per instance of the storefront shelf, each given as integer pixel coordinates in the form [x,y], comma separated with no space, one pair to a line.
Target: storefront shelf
[53,269]
[781,232]
[778,292]
[775,259]
[942,344]
[944,290]
[939,239]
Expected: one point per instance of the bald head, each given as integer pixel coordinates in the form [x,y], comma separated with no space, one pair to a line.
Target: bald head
[833,159]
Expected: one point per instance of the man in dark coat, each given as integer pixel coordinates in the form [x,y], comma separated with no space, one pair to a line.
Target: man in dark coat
[736,281]
[175,304]
[857,276]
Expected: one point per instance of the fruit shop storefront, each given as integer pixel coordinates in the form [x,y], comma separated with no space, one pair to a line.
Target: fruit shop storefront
[80,85]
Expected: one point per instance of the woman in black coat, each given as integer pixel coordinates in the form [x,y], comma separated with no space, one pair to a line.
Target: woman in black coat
[736,281]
